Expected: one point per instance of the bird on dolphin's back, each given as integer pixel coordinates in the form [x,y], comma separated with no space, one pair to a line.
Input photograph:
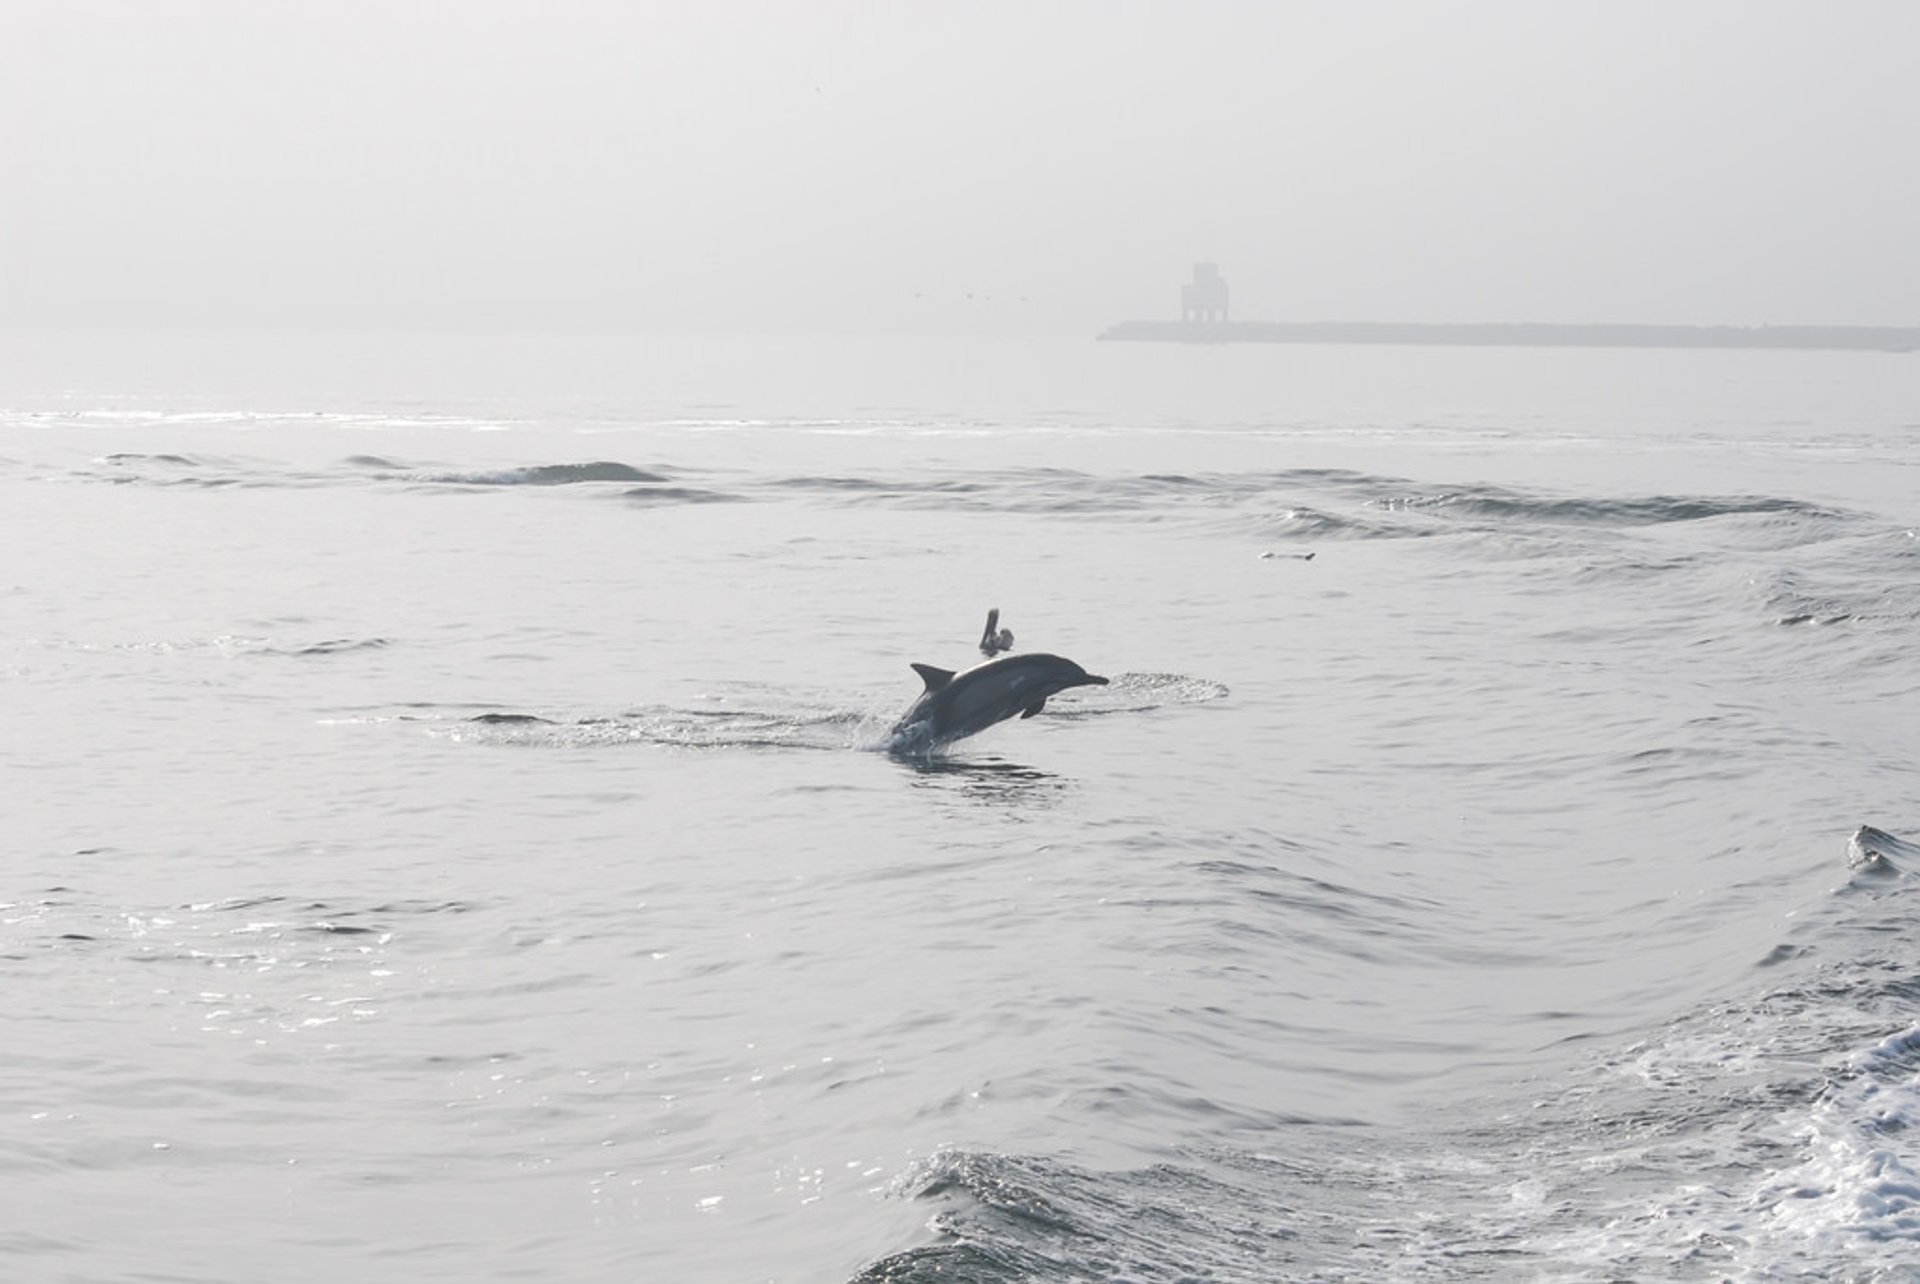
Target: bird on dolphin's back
[955,705]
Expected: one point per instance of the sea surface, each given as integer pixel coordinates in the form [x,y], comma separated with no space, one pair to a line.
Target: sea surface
[450,834]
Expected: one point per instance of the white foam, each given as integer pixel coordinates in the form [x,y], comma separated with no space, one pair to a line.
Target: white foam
[1859,1186]
[1851,1197]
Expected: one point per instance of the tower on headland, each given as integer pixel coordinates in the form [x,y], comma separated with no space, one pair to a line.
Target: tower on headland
[1205,297]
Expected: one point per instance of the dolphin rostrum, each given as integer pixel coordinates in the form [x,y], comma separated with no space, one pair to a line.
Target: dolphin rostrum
[955,705]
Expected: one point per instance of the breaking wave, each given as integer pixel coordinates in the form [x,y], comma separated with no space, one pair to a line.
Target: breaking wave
[1769,1138]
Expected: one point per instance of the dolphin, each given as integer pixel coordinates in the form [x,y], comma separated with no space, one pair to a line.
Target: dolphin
[956,705]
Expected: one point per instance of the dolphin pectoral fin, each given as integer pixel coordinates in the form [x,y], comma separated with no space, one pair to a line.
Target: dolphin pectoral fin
[934,678]
[1035,707]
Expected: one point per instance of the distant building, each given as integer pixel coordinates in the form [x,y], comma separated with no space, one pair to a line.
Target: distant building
[1205,297]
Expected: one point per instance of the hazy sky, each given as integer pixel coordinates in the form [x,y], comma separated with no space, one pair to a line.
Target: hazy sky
[789,164]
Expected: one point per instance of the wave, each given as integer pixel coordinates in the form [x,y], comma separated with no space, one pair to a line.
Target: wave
[650,486]
[163,469]
[547,475]
[1875,851]
[130,468]
[1870,579]
[124,459]
[1292,505]
[1014,1219]
[1507,505]
[231,645]
[1331,504]
[1765,1137]
[330,646]
[1773,1137]
[677,495]
[664,726]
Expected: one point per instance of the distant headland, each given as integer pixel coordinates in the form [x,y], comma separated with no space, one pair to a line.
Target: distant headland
[1204,319]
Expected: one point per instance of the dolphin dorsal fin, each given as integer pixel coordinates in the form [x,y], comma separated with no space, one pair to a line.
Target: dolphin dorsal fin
[934,678]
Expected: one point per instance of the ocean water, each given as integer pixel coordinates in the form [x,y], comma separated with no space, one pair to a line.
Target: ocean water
[450,834]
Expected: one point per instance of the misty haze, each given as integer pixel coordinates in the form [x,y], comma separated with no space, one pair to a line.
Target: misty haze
[992,168]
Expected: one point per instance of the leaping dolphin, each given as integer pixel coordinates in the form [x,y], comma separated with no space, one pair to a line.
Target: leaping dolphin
[956,705]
